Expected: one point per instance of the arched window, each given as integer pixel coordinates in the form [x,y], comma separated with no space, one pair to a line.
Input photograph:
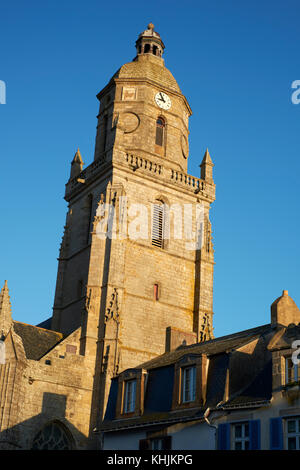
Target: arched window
[154,50]
[160,132]
[147,48]
[158,221]
[53,436]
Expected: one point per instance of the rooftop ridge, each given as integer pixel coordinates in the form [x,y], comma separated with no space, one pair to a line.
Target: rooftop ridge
[39,327]
[190,347]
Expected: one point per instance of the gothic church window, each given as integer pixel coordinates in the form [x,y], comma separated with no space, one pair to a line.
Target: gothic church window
[52,437]
[160,132]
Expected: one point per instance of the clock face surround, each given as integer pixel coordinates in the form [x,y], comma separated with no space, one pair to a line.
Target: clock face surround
[162,100]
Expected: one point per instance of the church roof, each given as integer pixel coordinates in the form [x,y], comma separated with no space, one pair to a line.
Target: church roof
[36,341]
[147,67]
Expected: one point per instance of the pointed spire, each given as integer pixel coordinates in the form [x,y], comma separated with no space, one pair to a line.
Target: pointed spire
[207,167]
[77,157]
[5,310]
[77,164]
[207,158]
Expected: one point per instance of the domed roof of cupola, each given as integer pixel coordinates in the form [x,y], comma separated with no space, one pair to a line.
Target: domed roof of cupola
[147,69]
[150,33]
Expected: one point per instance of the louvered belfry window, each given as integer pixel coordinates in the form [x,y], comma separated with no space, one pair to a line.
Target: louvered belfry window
[160,127]
[157,224]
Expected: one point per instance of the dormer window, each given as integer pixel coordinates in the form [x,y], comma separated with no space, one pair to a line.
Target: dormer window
[129,396]
[292,372]
[189,381]
[188,384]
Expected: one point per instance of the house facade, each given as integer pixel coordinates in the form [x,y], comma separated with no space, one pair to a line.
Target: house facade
[235,392]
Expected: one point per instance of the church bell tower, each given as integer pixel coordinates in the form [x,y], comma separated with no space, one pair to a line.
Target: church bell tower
[127,274]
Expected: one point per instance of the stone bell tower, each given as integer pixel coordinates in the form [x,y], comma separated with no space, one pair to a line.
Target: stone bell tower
[142,290]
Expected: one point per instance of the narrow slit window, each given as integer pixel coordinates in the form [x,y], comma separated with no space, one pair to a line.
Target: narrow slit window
[104,134]
[80,289]
[90,213]
[160,132]
[156,293]
[157,225]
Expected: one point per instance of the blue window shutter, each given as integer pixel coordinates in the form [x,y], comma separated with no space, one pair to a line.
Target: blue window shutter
[276,435]
[254,434]
[224,436]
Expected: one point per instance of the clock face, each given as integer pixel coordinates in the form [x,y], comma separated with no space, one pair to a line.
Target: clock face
[162,100]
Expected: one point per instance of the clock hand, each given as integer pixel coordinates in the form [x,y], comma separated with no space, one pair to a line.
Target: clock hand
[161,98]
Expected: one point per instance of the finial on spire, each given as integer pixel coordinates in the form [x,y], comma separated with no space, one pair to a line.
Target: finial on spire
[150,26]
[5,311]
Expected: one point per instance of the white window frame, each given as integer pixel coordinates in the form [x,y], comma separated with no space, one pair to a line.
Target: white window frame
[156,443]
[244,437]
[291,435]
[295,371]
[188,384]
[129,396]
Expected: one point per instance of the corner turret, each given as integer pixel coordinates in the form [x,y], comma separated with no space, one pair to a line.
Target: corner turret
[5,312]
[76,165]
[207,167]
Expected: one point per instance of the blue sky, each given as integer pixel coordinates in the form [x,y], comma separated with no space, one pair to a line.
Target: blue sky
[234,61]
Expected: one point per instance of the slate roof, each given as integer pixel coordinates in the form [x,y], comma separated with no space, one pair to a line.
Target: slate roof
[212,347]
[36,341]
[223,357]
